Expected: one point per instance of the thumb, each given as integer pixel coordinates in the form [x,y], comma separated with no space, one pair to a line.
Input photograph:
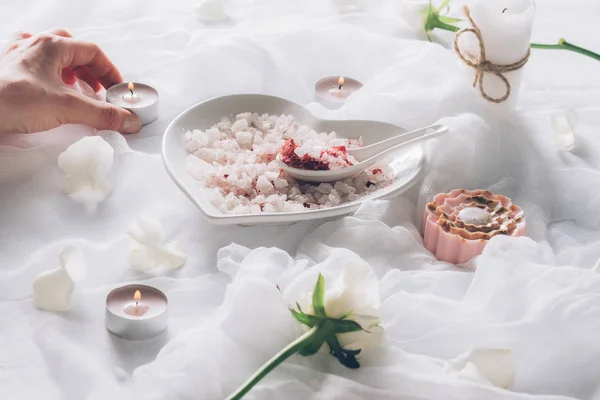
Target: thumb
[80,109]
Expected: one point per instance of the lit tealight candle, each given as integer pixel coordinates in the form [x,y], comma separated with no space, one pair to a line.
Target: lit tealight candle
[333,91]
[136,312]
[131,97]
[140,99]
[136,309]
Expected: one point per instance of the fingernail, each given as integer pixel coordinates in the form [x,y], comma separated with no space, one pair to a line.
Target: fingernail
[132,124]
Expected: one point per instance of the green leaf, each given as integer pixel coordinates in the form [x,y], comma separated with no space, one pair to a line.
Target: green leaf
[305,319]
[346,357]
[318,298]
[312,348]
[444,4]
[324,330]
[299,308]
[346,326]
[346,315]
[449,20]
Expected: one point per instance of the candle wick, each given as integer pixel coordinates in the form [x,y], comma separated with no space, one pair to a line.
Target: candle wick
[504,10]
[340,87]
[131,91]
[136,303]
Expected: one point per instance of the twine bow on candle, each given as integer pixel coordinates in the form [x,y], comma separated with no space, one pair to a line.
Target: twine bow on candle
[482,65]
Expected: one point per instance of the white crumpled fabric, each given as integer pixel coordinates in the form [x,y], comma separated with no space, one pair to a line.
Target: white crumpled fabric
[536,296]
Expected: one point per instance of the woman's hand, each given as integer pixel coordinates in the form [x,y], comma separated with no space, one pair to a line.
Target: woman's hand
[33,93]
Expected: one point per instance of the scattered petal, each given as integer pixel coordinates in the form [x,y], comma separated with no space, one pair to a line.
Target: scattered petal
[52,289]
[349,6]
[564,124]
[86,164]
[73,262]
[148,247]
[485,365]
[211,10]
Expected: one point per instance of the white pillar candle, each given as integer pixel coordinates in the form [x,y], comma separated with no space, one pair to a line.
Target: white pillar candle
[505,27]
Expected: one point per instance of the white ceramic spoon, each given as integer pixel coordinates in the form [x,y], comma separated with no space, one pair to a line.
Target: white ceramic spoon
[366,156]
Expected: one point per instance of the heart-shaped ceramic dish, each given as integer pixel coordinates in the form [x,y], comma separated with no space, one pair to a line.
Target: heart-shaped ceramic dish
[406,165]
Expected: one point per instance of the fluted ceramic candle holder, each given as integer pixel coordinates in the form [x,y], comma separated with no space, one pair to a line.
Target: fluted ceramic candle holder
[459,224]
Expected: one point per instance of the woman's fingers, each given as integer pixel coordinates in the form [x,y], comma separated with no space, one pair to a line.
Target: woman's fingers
[59,48]
[75,108]
[84,73]
[61,32]
[77,53]
[68,76]
[20,36]
[88,77]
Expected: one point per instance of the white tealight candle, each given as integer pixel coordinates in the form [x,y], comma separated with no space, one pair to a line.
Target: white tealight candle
[131,97]
[136,312]
[505,27]
[333,91]
[140,99]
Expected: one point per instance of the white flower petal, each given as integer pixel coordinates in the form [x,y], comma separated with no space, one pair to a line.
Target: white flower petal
[148,230]
[352,288]
[564,124]
[211,10]
[349,6]
[148,248]
[52,289]
[485,365]
[86,164]
[413,12]
[73,262]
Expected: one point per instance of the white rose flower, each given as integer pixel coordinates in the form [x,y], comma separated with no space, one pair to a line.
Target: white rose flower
[422,16]
[52,289]
[148,247]
[341,313]
[351,294]
[564,124]
[485,365]
[414,13]
[86,164]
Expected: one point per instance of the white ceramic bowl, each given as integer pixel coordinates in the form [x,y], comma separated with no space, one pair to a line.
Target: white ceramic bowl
[407,163]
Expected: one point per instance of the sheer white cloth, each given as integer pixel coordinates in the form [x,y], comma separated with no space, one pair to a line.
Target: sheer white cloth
[538,296]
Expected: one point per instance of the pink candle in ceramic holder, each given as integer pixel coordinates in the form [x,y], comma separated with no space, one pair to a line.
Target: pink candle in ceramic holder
[459,224]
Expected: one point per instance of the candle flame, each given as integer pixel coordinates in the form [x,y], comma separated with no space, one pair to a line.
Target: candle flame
[130,86]
[137,296]
[341,81]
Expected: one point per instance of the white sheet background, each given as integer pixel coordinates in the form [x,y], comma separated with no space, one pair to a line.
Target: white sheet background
[538,297]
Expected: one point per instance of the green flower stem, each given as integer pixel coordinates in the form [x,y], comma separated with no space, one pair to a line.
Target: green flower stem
[444,26]
[318,332]
[564,45]
[561,45]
